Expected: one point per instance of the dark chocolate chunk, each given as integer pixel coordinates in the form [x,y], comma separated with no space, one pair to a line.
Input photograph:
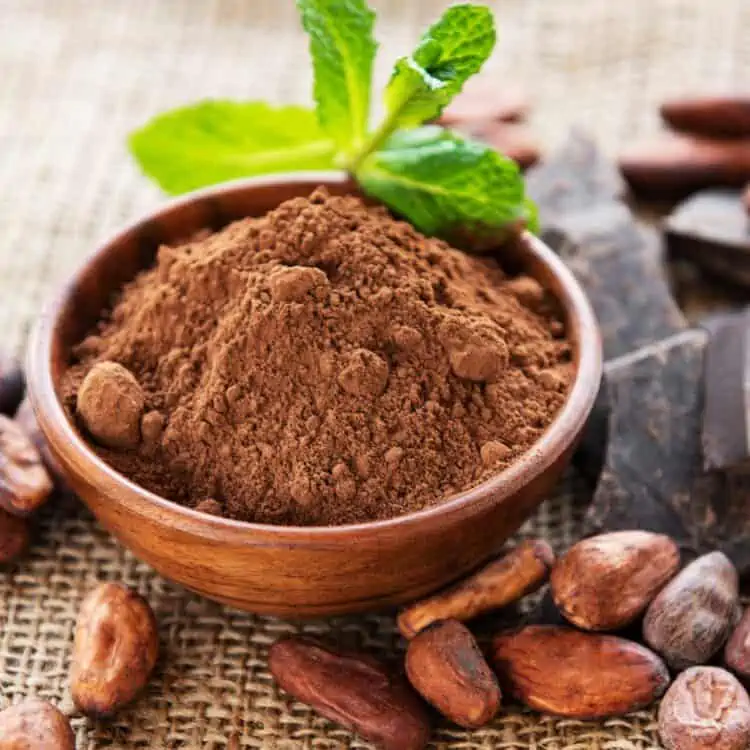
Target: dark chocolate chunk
[574,178]
[653,476]
[712,229]
[726,433]
[12,384]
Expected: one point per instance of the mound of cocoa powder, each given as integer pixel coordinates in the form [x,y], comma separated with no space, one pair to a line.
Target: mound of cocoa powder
[323,364]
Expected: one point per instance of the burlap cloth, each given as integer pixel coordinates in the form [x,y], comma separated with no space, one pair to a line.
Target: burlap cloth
[75,77]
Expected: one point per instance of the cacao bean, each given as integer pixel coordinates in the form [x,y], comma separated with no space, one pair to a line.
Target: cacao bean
[26,418]
[352,689]
[25,483]
[715,116]
[114,651]
[12,384]
[445,665]
[693,615]
[110,404]
[737,651]
[567,672]
[35,725]
[505,580]
[680,164]
[606,581]
[14,536]
[514,141]
[706,707]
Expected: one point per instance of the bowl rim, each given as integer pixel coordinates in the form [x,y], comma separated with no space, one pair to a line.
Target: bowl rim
[556,438]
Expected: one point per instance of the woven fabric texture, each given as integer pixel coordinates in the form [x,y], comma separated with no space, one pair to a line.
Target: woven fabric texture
[75,77]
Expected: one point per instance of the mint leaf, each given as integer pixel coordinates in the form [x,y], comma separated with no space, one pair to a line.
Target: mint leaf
[445,185]
[213,141]
[343,49]
[450,52]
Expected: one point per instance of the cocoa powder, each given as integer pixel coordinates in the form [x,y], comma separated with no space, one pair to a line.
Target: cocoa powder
[326,364]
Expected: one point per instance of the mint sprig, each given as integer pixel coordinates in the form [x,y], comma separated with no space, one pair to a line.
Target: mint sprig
[443,183]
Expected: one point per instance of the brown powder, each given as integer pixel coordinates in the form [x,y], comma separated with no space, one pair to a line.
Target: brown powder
[326,364]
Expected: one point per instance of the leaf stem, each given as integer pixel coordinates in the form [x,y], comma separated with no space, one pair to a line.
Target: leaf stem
[374,140]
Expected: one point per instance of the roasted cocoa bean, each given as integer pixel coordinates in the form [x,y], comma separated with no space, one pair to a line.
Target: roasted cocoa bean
[706,708]
[485,104]
[445,665]
[693,615]
[606,581]
[354,690]
[505,580]
[680,164]
[567,672]
[35,725]
[714,116]
[115,649]
[25,483]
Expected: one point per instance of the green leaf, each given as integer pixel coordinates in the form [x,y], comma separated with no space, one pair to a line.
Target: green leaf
[450,52]
[213,141]
[446,185]
[343,49]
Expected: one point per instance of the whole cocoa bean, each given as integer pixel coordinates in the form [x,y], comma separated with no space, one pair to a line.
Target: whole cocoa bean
[715,116]
[680,164]
[110,404]
[25,483]
[567,672]
[115,649]
[606,581]
[352,689]
[14,536]
[737,651]
[26,419]
[485,104]
[514,141]
[706,707]
[692,617]
[35,725]
[505,580]
[12,384]
[445,665]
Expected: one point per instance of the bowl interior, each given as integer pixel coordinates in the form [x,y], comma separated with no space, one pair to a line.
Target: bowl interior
[80,304]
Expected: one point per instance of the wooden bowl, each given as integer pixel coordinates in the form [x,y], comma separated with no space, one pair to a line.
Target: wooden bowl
[295,571]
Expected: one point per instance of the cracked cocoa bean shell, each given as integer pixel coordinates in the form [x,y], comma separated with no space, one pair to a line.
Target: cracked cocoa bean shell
[606,581]
[581,675]
[35,725]
[693,615]
[447,668]
[706,707]
[115,649]
[354,690]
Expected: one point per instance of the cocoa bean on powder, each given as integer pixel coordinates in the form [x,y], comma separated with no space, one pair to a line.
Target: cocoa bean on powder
[354,690]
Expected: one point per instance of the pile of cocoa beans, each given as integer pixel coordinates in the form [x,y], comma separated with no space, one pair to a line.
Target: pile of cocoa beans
[605,589]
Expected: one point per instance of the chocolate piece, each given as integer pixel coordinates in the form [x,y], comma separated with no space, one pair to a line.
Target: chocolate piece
[12,384]
[679,164]
[574,178]
[653,476]
[716,116]
[617,259]
[712,229]
[726,433]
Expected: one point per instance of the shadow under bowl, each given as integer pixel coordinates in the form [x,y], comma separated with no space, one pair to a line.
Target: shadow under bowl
[281,570]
